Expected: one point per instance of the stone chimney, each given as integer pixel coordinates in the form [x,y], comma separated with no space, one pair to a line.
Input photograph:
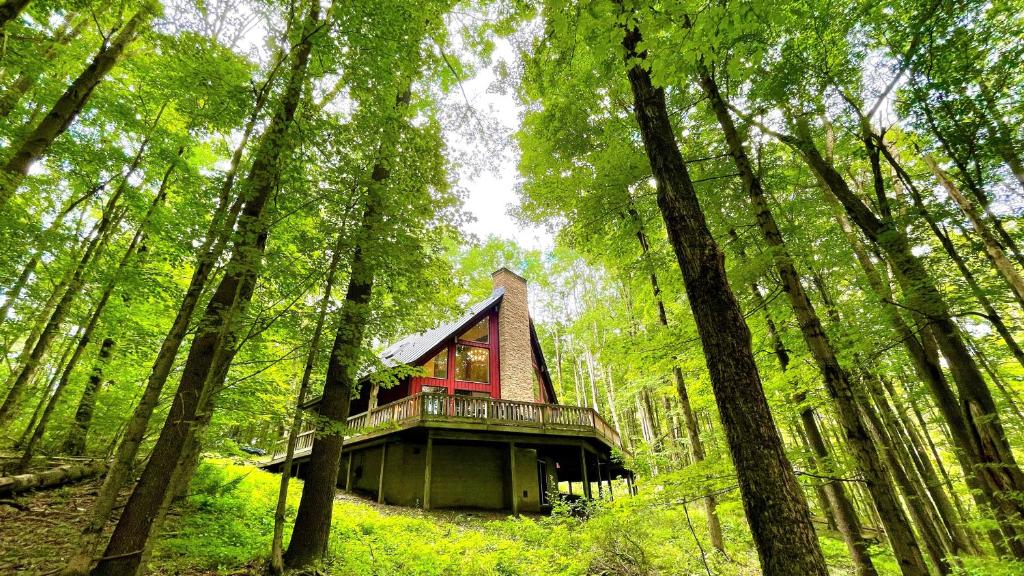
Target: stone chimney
[515,354]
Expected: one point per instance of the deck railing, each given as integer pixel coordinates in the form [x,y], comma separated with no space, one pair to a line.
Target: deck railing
[443,407]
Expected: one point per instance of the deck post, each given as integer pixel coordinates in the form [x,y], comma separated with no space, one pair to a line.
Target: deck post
[611,495]
[427,470]
[380,480]
[570,487]
[600,479]
[512,477]
[348,473]
[583,466]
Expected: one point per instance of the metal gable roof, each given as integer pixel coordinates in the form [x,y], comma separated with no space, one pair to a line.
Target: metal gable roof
[411,348]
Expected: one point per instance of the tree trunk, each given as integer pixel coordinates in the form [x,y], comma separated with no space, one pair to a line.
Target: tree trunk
[41,244]
[1006,241]
[38,326]
[904,428]
[970,479]
[313,522]
[219,231]
[934,543]
[774,503]
[218,328]
[992,247]
[112,215]
[991,314]
[1008,395]
[35,145]
[836,378]
[312,529]
[10,9]
[924,358]
[973,416]
[97,313]
[692,433]
[47,388]
[12,294]
[1003,135]
[835,502]
[820,494]
[28,78]
[74,444]
[613,408]
[277,544]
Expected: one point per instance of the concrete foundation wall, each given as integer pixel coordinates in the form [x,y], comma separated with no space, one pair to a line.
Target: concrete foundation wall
[527,484]
[469,476]
[462,475]
[365,469]
[403,475]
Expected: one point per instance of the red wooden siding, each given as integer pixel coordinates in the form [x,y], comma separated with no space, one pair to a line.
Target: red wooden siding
[450,384]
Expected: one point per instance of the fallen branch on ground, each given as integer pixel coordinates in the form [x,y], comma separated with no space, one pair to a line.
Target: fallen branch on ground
[52,477]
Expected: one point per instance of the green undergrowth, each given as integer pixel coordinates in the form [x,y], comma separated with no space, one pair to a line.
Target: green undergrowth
[227,523]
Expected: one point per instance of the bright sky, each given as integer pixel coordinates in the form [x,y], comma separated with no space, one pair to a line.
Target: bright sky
[491,193]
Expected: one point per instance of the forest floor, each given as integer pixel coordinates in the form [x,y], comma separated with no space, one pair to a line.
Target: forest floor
[38,529]
[225,526]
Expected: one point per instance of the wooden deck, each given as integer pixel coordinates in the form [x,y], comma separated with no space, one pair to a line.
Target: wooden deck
[465,413]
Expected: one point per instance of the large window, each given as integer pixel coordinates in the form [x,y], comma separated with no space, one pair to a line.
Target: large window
[478,333]
[465,365]
[472,364]
[437,367]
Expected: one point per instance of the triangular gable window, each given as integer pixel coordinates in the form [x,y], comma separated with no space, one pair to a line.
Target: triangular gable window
[480,332]
[437,367]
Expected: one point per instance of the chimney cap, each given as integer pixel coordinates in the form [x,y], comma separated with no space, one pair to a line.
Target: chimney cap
[504,269]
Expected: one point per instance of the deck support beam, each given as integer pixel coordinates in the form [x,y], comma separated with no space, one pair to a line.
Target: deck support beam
[583,466]
[512,477]
[427,469]
[380,480]
[611,495]
[348,474]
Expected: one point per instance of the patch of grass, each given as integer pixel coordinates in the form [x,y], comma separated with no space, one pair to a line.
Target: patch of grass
[227,520]
[227,523]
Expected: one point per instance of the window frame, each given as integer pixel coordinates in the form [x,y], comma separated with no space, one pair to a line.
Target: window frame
[490,375]
[451,383]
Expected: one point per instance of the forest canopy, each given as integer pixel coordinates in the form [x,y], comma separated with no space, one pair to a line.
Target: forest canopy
[783,257]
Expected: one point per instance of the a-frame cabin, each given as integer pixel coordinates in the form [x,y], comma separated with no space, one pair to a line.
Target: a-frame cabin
[482,429]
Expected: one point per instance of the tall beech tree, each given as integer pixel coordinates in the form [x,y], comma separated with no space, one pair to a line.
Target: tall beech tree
[35,144]
[973,418]
[218,326]
[312,524]
[215,240]
[97,311]
[74,443]
[277,546]
[689,420]
[837,379]
[741,402]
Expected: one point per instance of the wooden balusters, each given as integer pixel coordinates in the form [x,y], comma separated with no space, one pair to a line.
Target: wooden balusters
[431,406]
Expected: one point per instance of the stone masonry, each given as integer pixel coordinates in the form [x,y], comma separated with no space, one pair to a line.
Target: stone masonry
[515,354]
